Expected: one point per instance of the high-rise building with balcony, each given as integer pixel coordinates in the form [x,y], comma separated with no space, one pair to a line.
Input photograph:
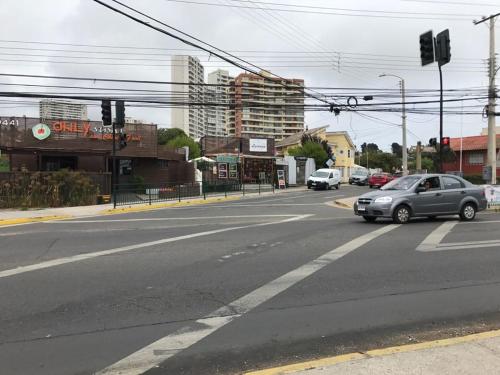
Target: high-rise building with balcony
[186,114]
[50,109]
[216,116]
[265,107]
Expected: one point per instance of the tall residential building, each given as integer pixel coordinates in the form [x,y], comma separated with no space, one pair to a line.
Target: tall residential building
[50,109]
[216,116]
[188,117]
[267,107]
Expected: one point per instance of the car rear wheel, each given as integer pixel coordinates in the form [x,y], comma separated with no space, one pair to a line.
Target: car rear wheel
[468,211]
[401,214]
[370,219]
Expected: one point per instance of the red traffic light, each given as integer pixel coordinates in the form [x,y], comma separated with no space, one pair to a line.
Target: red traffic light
[445,141]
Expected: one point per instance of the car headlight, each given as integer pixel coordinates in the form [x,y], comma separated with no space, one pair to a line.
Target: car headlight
[383,200]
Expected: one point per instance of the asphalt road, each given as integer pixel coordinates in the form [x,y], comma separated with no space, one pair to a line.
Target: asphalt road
[230,287]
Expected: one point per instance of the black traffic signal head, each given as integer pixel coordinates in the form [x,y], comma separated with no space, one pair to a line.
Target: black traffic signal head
[106,112]
[433,142]
[120,113]
[427,48]
[123,141]
[443,54]
[445,143]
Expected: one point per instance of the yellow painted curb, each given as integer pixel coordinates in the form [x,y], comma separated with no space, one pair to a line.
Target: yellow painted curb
[26,220]
[194,202]
[340,204]
[330,361]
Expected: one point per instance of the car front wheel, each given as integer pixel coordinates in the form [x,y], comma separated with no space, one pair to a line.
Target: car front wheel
[468,212]
[401,215]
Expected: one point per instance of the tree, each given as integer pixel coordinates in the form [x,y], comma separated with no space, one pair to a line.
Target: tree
[311,150]
[372,147]
[383,160]
[315,139]
[184,140]
[165,135]
[397,149]
[363,148]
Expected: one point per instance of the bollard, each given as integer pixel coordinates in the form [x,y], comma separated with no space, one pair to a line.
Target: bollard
[225,190]
[259,187]
[179,190]
[150,196]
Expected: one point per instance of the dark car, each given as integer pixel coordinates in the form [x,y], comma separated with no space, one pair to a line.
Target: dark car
[422,195]
[359,177]
[379,179]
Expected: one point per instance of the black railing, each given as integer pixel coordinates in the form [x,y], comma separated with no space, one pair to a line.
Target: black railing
[128,194]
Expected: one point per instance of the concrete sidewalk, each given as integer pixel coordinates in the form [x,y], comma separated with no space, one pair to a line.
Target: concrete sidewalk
[12,216]
[468,355]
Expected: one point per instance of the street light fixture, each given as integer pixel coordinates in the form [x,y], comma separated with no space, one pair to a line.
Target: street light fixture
[405,151]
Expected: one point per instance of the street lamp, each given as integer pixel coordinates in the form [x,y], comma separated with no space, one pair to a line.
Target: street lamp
[405,152]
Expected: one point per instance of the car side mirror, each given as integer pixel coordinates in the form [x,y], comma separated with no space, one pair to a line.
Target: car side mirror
[420,189]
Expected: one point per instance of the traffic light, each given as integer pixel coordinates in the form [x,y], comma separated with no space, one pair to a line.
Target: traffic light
[433,142]
[443,48]
[106,112]
[445,143]
[427,48]
[123,141]
[120,114]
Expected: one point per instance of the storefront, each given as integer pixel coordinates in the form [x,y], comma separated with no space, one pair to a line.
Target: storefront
[86,146]
[247,160]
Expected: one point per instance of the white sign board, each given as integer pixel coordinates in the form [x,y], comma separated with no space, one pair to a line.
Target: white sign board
[329,162]
[258,145]
[492,194]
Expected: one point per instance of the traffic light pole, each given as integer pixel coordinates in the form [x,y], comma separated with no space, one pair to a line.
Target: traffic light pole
[440,119]
[114,176]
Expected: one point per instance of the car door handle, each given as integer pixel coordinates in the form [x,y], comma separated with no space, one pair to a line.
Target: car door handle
[463,192]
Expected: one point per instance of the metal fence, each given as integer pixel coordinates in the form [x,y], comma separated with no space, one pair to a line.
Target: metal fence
[129,194]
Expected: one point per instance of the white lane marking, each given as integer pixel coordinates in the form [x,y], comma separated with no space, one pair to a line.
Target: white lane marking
[81,257]
[168,346]
[211,218]
[432,241]
[480,222]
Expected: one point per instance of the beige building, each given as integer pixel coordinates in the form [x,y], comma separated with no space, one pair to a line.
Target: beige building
[266,107]
[190,118]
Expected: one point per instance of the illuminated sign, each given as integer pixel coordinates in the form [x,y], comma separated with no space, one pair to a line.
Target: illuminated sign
[41,131]
[86,130]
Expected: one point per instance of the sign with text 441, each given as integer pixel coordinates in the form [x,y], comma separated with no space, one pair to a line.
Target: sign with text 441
[258,145]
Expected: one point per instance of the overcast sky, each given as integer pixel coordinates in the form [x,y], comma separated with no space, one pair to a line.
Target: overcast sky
[371,42]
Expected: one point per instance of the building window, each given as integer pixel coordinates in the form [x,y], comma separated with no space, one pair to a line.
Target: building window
[476,158]
[349,154]
[163,164]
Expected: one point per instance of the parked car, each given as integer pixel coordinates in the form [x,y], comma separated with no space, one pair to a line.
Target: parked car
[324,179]
[379,179]
[422,195]
[359,177]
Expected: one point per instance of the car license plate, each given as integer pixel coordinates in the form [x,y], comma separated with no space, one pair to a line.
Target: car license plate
[361,207]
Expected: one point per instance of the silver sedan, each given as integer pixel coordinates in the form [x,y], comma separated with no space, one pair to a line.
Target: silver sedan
[428,195]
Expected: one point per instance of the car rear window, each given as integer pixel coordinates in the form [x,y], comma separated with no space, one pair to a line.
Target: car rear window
[452,183]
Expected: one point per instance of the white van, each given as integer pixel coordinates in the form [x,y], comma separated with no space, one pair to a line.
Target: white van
[324,179]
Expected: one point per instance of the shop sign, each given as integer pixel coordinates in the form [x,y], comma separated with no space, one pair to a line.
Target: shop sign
[258,145]
[223,171]
[40,131]
[9,122]
[230,159]
[86,130]
[233,170]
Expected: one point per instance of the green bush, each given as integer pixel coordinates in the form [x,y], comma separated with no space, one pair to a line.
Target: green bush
[56,189]
[139,184]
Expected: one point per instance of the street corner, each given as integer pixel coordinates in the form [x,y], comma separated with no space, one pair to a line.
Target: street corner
[391,359]
[28,220]
[344,203]
[158,206]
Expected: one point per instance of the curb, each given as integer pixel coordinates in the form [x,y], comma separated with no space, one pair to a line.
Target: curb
[28,220]
[158,206]
[330,361]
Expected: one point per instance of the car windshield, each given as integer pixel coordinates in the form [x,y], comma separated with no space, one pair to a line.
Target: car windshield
[403,183]
[320,174]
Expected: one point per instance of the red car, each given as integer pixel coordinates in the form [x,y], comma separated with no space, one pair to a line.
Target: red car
[379,179]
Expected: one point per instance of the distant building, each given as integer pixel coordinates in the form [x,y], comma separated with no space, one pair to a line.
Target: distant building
[216,117]
[188,117]
[266,107]
[51,109]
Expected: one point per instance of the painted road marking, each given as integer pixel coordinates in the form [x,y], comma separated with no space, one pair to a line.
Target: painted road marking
[168,346]
[82,257]
[211,218]
[433,242]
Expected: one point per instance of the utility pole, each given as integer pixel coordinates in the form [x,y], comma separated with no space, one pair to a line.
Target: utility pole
[403,98]
[492,136]
[419,157]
